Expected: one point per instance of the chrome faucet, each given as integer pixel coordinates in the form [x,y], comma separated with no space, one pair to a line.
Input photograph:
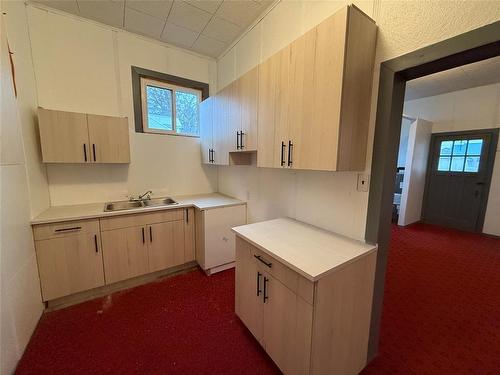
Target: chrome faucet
[141,197]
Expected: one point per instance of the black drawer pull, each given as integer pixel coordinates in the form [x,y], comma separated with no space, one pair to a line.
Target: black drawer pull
[290,146]
[283,153]
[187,215]
[93,149]
[143,238]
[95,242]
[68,229]
[258,284]
[151,234]
[269,264]
[85,151]
[241,140]
[266,297]
[237,140]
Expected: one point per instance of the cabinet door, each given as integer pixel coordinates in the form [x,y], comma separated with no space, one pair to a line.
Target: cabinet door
[189,235]
[165,245]
[69,264]
[64,136]
[320,143]
[282,100]
[109,139]
[206,124]
[248,99]
[219,239]
[268,72]
[233,115]
[125,253]
[300,109]
[248,290]
[287,327]
[220,130]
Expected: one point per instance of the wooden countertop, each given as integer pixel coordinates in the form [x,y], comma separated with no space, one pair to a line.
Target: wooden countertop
[95,210]
[310,251]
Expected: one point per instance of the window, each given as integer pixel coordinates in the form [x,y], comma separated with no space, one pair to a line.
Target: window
[460,155]
[169,109]
[166,104]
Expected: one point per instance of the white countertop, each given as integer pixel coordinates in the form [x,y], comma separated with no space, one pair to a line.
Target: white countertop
[94,210]
[310,251]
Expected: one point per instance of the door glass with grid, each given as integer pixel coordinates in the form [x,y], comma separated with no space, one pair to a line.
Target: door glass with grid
[460,155]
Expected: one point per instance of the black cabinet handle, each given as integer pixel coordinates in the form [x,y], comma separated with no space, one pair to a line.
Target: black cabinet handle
[290,146]
[283,153]
[143,237]
[93,149]
[237,140]
[85,151]
[266,297]
[187,215]
[258,284]
[68,229]
[269,264]
[95,242]
[241,140]
[150,234]
[213,152]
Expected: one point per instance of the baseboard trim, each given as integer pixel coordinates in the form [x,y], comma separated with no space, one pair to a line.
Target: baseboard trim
[105,290]
[221,268]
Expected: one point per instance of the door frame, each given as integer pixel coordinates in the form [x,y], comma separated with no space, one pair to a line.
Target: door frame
[493,132]
[472,46]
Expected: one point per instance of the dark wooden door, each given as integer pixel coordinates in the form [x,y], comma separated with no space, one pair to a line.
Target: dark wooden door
[458,178]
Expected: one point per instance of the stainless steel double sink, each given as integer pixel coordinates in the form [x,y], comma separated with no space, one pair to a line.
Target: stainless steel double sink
[129,205]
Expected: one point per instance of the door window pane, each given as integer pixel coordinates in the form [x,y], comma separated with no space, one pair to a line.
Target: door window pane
[444,164]
[159,103]
[186,107]
[446,147]
[475,146]
[459,147]
[457,164]
[472,164]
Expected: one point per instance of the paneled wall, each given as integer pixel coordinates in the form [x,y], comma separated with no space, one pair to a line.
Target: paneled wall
[476,108]
[20,301]
[83,66]
[330,200]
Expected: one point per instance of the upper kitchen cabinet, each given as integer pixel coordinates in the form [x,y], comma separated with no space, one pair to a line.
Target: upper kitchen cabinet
[314,97]
[206,129]
[68,137]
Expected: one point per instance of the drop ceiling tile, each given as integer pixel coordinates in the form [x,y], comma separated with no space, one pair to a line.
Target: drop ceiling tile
[105,11]
[209,46]
[178,36]
[69,6]
[142,23]
[155,8]
[188,16]
[240,12]
[206,5]
[220,29]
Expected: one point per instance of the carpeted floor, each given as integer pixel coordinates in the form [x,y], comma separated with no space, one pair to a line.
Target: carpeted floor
[441,316]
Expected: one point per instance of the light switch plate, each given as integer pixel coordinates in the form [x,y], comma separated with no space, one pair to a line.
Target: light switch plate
[363,182]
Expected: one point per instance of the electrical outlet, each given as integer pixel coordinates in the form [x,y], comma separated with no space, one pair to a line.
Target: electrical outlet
[363,182]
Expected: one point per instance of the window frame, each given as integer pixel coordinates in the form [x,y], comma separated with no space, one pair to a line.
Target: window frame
[183,83]
[145,82]
[452,154]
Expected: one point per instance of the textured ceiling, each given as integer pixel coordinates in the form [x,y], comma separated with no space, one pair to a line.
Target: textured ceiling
[204,26]
[464,77]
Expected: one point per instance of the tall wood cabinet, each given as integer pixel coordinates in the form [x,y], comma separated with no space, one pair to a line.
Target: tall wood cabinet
[68,137]
[314,97]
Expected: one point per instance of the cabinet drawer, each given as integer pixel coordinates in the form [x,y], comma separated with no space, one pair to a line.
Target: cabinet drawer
[127,221]
[67,228]
[297,283]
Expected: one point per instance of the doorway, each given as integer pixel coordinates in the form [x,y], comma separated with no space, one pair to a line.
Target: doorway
[458,179]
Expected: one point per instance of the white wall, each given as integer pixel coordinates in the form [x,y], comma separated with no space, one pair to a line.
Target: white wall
[20,300]
[412,196]
[476,108]
[83,66]
[330,200]
[403,141]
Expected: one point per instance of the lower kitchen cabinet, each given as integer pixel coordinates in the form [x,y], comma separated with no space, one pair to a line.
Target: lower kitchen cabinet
[165,245]
[318,326]
[125,253]
[69,258]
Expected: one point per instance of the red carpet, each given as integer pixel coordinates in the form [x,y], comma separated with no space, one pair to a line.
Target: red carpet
[182,325]
[441,316]
[442,304]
